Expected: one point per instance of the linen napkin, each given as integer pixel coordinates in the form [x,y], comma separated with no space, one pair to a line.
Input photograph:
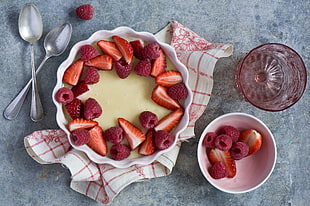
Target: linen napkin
[102,182]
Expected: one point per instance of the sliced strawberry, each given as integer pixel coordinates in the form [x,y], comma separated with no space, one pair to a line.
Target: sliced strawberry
[80,88]
[75,108]
[73,73]
[124,47]
[161,97]
[97,142]
[169,78]
[253,139]
[216,155]
[168,122]
[110,48]
[148,146]
[159,65]
[137,47]
[132,133]
[103,62]
[81,124]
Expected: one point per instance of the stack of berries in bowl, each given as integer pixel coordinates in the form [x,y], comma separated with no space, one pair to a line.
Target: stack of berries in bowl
[229,145]
[118,53]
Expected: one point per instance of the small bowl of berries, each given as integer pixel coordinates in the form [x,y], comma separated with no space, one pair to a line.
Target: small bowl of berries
[236,153]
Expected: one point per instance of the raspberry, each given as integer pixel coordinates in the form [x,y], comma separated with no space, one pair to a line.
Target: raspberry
[119,151]
[79,89]
[123,69]
[91,75]
[230,131]
[87,52]
[178,91]
[148,120]
[137,47]
[239,150]
[114,135]
[64,95]
[163,139]
[92,109]
[75,108]
[143,68]
[218,170]
[85,11]
[80,137]
[209,140]
[223,142]
[151,51]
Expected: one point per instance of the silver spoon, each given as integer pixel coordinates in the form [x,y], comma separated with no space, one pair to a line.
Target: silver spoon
[55,43]
[30,29]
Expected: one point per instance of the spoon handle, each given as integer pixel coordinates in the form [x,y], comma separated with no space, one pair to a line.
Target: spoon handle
[36,110]
[12,110]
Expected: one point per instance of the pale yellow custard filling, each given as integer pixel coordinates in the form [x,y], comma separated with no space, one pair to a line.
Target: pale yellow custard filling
[125,98]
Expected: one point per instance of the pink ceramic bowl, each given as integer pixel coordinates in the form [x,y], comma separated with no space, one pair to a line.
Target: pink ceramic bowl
[252,171]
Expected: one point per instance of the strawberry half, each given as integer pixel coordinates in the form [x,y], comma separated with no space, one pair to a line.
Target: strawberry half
[97,142]
[252,138]
[216,155]
[124,47]
[103,62]
[80,88]
[148,146]
[81,124]
[159,65]
[75,108]
[132,133]
[168,122]
[169,78]
[73,73]
[137,47]
[110,48]
[161,97]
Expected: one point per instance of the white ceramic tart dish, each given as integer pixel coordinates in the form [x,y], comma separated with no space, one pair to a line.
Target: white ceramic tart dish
[127,33]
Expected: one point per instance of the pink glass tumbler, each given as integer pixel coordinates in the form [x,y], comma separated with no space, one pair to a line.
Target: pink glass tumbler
[271,77]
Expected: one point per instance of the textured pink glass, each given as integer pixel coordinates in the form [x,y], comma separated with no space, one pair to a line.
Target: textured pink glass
[272,77]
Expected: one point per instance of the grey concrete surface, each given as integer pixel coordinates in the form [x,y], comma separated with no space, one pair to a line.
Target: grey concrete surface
[245,24]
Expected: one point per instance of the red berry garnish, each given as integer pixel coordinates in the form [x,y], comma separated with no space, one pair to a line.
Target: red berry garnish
[92,109]
[75,108]
[209,140]
[178,91]
[119,151]
[143,68]
[114,135]
[163,139]
[79,89]
[223,142]
[91,75]
[123,69]
[218,170]
[88,52]
[239,150]
[137,47]
[85,11]
[151,51]
[80,137]
[148,120]
[64,95]
[230,131]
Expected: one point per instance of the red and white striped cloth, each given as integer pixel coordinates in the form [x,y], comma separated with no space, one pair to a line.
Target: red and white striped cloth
[103,182]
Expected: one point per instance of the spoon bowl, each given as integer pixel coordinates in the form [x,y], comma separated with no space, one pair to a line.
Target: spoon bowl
[57,40]
[30,23]
[55,43]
